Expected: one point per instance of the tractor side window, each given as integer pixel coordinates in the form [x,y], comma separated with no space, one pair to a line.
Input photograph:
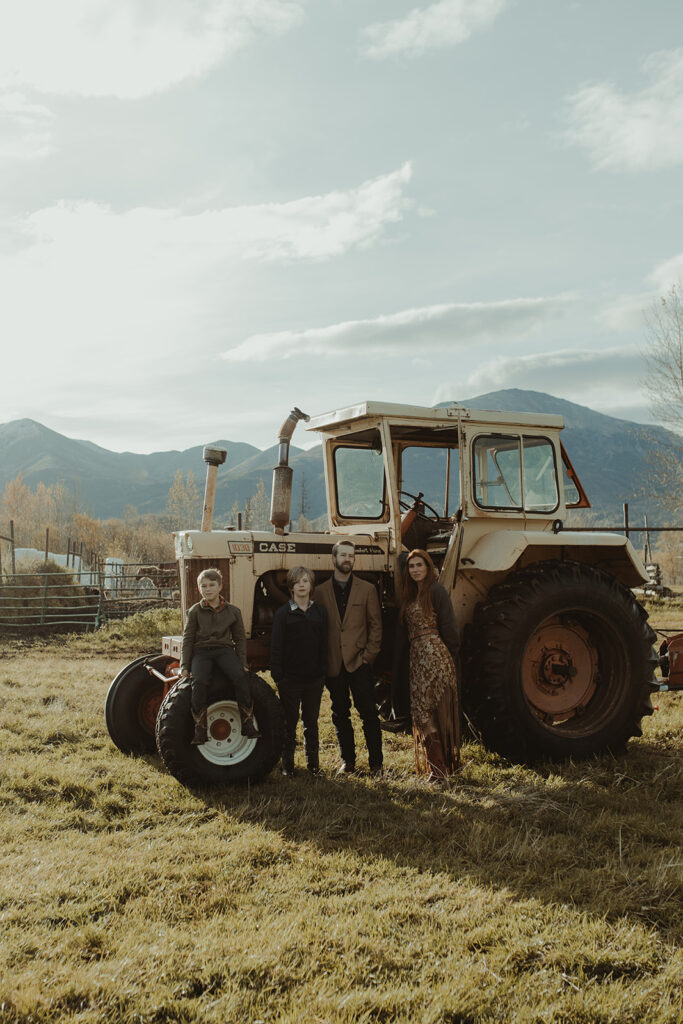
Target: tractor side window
[540,476]
[359,474]
[574,494]
[571,491]
[498,472]
[431,471]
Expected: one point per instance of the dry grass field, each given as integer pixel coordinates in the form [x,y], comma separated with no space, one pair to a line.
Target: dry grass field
[545,894]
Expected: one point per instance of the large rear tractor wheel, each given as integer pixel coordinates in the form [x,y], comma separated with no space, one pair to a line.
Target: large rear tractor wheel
[562,664]
[228,757]
[132,704]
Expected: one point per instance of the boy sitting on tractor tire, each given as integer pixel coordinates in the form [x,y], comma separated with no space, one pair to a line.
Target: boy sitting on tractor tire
[214,637]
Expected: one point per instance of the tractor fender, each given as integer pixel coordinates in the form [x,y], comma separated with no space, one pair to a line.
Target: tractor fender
[501,550]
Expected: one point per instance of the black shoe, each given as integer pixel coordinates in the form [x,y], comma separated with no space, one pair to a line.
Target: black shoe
[403,724]
[346,768]
[287,768]
[377,770]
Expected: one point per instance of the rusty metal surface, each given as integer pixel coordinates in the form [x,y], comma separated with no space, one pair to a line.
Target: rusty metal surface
[559,670]
[672,653]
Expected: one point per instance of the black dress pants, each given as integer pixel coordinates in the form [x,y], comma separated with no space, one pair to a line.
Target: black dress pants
[305,696]
[361,686]
[204,661]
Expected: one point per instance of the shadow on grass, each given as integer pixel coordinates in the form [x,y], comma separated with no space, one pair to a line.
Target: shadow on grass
[600,836]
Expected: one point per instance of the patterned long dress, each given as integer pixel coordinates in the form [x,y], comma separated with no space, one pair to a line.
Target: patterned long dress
[433,688]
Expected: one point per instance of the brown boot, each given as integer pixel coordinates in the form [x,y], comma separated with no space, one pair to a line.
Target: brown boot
[200,733]
[435,756]
[247,719]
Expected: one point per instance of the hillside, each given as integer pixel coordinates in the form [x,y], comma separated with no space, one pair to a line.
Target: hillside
[612,457]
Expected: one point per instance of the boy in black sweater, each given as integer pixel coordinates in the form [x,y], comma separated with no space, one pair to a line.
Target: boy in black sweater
[298,661]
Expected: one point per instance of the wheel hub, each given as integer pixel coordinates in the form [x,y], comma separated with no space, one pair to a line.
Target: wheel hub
[220,728]
[557,667]
[148,708]
[226,744]
[559,670]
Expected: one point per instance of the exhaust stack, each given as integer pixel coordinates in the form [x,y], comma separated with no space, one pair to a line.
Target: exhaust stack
[281,498]
[213,457]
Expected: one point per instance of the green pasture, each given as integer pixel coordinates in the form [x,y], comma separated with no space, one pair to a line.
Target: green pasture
[545,894]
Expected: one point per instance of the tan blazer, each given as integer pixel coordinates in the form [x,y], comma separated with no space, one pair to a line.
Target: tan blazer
[355,641]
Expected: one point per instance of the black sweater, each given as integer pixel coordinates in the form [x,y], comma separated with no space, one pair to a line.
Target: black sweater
[298,644]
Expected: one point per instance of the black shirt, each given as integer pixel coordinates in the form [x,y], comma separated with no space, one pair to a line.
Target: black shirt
[341,593]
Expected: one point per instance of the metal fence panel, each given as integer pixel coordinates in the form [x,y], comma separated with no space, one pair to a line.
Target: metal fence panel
[84,601]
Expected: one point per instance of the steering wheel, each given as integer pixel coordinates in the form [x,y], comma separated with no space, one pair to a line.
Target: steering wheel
[417,500]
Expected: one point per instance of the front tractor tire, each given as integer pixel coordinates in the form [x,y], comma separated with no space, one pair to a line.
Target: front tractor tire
[228,757]
[132,703]
[562,664]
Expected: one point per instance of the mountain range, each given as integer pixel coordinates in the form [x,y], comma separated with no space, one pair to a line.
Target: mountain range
[611,456]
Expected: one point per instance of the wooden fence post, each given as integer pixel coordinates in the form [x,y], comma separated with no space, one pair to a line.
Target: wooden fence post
[47,542]
[626,527]
[11,534]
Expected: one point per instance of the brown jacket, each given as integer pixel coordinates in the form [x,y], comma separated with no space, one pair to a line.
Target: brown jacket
[355,641]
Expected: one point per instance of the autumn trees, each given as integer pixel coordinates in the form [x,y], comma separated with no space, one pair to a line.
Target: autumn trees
[664,385]
[134,537]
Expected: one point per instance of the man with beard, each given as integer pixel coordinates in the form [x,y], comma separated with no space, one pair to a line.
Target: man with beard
[354,623]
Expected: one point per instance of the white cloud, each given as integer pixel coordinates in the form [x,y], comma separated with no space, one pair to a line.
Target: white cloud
[667,274]
[130,48]
[442,24]
[640,131]
[628,312]
[625,313]
[314,227]
[437,328]
[321,226]
[108,297]
[579,375]
[25,128]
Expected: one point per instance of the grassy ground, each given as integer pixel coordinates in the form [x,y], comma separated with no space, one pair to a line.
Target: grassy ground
[525,895]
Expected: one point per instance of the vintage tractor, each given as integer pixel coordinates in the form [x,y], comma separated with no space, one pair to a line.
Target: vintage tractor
[557,654]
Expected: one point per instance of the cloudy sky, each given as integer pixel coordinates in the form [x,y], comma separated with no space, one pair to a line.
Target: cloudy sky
[212,210]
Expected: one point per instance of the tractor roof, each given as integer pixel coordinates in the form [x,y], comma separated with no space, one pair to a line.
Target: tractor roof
[424,416]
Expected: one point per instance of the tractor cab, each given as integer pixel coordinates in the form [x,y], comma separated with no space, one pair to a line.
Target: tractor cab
[415,474]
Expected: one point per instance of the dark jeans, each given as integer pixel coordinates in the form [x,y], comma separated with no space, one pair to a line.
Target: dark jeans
[307,697]
[361,686]
[204,661]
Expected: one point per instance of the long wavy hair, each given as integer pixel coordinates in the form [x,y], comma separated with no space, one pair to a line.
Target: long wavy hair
[418,592]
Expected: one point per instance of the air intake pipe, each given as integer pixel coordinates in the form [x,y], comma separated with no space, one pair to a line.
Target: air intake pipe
[213,457]
[281,497]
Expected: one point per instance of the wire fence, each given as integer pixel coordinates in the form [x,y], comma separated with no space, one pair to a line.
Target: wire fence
[85,599]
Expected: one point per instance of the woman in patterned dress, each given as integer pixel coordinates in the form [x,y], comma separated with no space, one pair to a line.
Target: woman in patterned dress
[427,625]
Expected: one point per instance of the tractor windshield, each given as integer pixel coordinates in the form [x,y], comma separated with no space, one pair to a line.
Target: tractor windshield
[433,472]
